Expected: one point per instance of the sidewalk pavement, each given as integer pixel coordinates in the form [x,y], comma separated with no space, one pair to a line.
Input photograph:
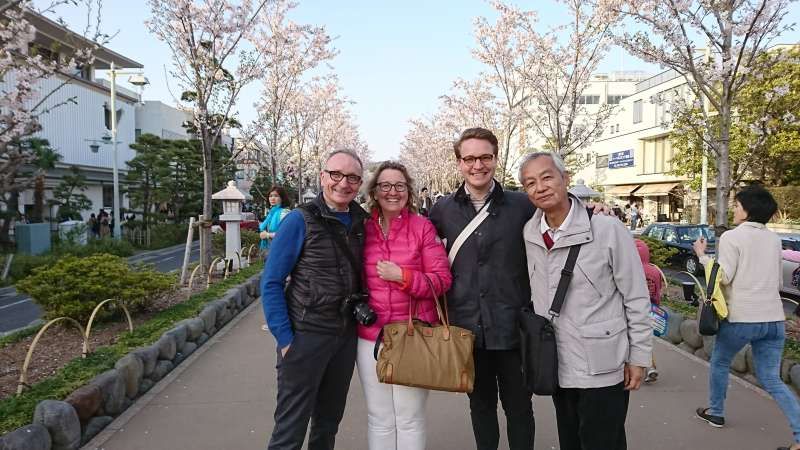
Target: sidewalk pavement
[223,398]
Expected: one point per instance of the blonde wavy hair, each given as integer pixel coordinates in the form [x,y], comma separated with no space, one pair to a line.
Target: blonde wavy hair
[372,186]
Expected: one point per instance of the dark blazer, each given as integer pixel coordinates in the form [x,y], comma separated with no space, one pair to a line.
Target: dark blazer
[490,273]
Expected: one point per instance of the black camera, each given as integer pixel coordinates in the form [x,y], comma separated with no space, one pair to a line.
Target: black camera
[356,304]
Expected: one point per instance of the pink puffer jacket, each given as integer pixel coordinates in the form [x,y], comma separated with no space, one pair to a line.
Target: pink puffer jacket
[413,245]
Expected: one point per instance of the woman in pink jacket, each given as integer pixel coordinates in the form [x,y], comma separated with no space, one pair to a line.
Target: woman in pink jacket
[401,248]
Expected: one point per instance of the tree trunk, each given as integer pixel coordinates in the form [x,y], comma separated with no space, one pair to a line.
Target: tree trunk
[205,229]
[12,208]
[723,167]
[38,201]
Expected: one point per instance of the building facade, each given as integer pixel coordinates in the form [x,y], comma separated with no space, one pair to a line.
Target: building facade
[79,130]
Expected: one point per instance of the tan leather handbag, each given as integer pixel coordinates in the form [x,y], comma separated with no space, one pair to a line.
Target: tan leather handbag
[417,354]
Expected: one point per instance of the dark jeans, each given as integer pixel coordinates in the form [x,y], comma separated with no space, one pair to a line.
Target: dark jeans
[592,419]
[313,380]
[501,369]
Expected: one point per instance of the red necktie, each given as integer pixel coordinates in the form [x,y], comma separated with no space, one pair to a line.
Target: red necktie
[548,241]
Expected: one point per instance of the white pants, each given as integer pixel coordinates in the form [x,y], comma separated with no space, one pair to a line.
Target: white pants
[395,414]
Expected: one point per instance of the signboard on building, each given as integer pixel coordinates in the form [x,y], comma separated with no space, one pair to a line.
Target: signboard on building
[621,159]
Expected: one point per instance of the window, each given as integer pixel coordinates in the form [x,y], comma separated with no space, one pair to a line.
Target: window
[601,162]
[137,132]
[656,233]
[614,99]
[617,128]
[40,50]
[670,235]
[657,156]
[637,111]
[612,129]
[589,100]
[108,196]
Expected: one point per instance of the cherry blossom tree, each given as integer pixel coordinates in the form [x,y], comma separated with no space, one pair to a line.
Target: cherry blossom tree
[291,51]
[735,32]
[211,64]
[553,69]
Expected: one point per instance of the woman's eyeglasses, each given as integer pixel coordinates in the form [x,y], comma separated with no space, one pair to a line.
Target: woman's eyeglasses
[398,187]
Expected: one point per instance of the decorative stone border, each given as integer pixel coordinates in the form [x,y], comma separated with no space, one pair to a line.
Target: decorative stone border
[685,334]
[68,424]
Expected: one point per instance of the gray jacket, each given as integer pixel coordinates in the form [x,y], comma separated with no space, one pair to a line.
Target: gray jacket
[605,321]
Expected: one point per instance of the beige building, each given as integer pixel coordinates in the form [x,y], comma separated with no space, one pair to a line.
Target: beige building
[631,161]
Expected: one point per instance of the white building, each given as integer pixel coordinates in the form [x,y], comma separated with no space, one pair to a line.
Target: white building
[76,130]
[633,157]
[162,120]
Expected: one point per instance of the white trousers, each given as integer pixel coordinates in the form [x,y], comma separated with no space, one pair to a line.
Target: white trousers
[395,414]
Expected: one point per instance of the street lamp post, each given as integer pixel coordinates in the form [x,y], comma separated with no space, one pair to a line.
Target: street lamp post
[140,81]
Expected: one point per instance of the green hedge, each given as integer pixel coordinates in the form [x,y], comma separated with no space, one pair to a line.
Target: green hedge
[659,253]
[17,411]
[23,265]
[85,282]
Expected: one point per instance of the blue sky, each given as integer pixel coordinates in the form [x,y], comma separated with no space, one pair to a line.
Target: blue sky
[395,60]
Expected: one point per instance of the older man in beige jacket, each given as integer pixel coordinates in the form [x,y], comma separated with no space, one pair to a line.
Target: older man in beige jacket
[603,333]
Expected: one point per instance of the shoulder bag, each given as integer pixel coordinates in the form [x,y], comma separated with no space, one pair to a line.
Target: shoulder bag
[417,354]
[708,323]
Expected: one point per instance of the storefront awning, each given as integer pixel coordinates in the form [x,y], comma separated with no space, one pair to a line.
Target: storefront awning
[622,190]
[656,189]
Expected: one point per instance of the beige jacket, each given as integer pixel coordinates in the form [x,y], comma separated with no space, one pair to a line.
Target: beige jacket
[605,321]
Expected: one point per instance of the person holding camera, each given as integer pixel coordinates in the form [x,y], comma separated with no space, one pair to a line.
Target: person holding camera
[400,250]
[313,316]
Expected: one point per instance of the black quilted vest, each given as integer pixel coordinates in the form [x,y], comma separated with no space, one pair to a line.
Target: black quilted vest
[323,275]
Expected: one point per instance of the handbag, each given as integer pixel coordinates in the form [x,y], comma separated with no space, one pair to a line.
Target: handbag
[417,354]
[539,354]
[708,323]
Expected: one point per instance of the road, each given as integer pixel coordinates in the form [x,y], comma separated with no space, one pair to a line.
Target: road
[17,310]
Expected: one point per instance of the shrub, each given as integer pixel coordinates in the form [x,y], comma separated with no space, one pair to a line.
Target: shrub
[73,286]
[248,238]
[162,235]
[660,254]
[95,246]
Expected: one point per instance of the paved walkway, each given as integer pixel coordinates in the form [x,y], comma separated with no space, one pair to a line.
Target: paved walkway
[223,397]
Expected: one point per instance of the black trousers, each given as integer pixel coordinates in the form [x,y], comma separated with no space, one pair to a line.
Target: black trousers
[592,419]
[501,370]
[313,381]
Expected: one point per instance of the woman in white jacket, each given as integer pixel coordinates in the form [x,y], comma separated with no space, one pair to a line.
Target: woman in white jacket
[749,257]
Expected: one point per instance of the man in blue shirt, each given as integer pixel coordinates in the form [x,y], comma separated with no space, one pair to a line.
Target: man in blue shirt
[313,326]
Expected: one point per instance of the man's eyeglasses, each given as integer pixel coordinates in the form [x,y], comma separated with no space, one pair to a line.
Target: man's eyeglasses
[398,187]
[470,160]
[337,177]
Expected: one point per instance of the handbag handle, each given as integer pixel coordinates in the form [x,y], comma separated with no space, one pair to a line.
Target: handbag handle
[412,309]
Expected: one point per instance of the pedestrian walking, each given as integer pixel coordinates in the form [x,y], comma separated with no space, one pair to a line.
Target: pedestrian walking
[320,244]
[401,249]
[603,333]
[749,258]
[654,287]
[490,286]
[634,216]
[425,202]
[94,226]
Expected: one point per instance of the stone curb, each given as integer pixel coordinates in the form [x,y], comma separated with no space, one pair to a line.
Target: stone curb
[119,423]
[118,389]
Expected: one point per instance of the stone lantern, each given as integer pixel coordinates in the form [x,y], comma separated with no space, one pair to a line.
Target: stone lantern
[232,199]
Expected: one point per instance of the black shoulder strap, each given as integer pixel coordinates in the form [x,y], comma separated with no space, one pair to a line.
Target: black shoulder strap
[712,280]
[566,274]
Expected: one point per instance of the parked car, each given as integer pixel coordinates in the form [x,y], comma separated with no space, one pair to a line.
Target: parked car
[791,265]
[249,222]
[681,236]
